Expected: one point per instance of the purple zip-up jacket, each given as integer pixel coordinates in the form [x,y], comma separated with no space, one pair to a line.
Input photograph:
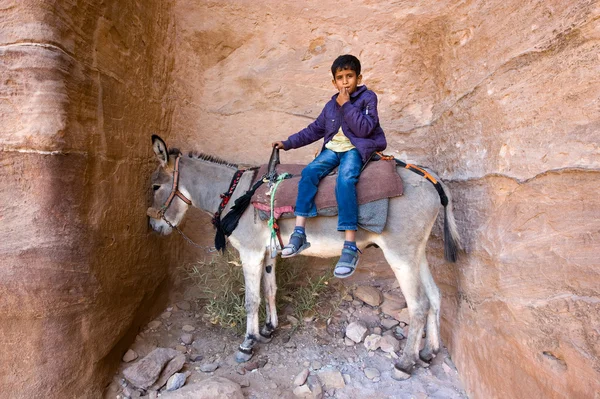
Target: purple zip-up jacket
[359,121]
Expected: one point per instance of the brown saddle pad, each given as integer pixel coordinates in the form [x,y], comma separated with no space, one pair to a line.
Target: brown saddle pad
[377,181]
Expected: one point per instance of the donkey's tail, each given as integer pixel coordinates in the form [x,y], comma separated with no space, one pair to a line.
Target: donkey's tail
[452,240]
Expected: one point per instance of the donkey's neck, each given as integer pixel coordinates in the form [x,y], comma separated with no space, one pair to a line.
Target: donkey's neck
[205,181]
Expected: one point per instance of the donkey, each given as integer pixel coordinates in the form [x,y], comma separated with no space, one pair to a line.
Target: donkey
[198,180]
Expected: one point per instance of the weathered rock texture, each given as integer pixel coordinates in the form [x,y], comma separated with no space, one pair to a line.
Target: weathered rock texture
[83,83]
[500,97]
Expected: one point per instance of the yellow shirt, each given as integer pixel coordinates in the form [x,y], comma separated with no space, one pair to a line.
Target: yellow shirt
[339,142]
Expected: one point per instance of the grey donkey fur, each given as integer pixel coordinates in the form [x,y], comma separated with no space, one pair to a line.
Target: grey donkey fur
[403,242]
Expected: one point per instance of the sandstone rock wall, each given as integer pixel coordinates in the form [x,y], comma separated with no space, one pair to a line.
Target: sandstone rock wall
[83,84]
[500,97]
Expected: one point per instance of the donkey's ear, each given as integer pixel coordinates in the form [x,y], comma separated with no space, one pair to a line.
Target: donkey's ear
[160,149]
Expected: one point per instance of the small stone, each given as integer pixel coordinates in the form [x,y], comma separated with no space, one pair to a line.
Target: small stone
[241,370]
[181,348]
[184,305]
[348,342]
[187,338]
[372,342]
[130,356]
[251,366]
[372,373]
[389,344]
[209,367]
[300,379]
[188,328]
[153,395]
[290,344]
[392,305]
[348,298]
[357,331]
[347,378]
[356,303]
[377,330]
[292,320]
[332,379]
[176,381]
[153,325]
[303,391]
[165,315]
[245,383]
[389,323]
[369,295]
[195,357]
[315,365]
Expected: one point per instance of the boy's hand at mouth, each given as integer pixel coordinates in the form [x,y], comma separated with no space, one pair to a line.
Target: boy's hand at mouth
[343,97]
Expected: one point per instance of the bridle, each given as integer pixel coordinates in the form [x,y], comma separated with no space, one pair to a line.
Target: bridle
[160,213]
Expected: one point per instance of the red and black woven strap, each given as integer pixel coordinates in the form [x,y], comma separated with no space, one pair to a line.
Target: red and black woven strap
[225,197]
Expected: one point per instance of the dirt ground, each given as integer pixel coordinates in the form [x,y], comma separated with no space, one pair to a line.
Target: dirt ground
[312,344]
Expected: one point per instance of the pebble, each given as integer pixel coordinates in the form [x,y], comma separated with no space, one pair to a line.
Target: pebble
[389,323]
[292,320]
[209,367]
[300,379]
[130,356]
[303,391]
[315,365]
[187,338]
[357,331]
[377,330]
[389,344]
[176,381]
[372,373]
[348,342]
[372,342]
[181,348]
[195,357]
[188,328]
[347,379]
[370,295]
[166,315]
[184,305]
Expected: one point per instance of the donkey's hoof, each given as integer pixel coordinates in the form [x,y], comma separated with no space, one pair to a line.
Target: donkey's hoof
[242,356]
[400,375]
[426,356]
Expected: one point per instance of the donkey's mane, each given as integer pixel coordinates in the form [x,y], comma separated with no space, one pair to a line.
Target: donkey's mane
[211,158]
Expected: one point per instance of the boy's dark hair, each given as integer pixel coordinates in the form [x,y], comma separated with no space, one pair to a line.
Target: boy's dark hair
[346,61]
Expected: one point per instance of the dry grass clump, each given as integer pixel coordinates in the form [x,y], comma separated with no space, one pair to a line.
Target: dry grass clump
[221,285]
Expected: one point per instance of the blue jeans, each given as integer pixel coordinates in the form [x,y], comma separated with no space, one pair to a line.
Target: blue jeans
[350,165]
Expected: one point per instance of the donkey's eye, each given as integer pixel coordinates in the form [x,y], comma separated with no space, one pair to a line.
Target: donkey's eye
[155,187]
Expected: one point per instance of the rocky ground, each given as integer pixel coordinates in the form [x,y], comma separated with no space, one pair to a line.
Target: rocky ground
[348,355]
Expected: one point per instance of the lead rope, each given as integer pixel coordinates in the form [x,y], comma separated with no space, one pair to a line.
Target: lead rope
[275,236]
[189,240]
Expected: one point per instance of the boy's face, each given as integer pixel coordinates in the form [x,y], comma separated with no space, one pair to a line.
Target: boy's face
[346,79]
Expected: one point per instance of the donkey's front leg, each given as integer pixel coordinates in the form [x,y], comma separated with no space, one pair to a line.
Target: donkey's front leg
[269,292]
[253,267]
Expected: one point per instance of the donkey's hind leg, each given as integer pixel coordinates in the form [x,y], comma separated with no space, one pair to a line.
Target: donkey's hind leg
[409,278]
[432,341]
[252,263]
[269,292]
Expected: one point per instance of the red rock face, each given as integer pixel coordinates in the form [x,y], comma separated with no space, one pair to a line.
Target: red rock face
[499,97]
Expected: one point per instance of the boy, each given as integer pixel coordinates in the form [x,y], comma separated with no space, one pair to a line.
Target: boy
[350,128]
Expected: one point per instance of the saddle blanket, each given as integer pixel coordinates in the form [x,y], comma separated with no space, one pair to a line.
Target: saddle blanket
[378,182]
